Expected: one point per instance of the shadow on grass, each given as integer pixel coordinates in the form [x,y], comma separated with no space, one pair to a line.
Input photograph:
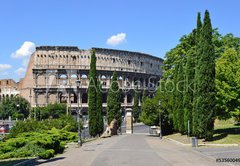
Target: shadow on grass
[234,130]
[11,162]
[49,160]
[222,133]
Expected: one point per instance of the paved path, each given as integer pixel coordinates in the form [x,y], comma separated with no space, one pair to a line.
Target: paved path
[130,150]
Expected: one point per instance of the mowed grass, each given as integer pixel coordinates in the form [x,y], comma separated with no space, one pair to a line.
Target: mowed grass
[225,132]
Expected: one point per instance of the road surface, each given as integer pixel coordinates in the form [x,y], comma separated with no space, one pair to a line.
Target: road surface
[132,150]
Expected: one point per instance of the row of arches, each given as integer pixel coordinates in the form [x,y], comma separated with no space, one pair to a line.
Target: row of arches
[3,96]
[72,98]
[70,79]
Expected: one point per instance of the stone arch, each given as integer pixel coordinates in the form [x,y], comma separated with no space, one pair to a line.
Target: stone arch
[73,78]
[84,79]
[73,97]
[62,98]
[63,79]
[84,98]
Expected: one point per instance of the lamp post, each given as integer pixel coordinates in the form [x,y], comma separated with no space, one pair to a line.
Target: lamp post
[78,114]
[160,120]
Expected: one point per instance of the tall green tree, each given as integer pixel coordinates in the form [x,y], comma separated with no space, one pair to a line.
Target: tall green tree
[205,78]
[191,61]
[92,111]
[136,109]
[149,113]
[194,120]
[113,101]
[228,84]
[99,117]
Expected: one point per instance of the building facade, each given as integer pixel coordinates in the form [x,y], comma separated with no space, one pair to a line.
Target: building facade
[53,70]
[8,88]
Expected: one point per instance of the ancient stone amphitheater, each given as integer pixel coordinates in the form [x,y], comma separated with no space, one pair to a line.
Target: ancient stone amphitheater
[53,70]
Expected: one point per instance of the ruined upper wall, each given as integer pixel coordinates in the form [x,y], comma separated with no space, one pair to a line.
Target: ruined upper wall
[64,57]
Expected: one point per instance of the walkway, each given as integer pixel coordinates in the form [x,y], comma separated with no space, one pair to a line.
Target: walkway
[132,150]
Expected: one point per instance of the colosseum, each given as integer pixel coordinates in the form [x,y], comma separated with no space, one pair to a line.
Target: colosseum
[53,70]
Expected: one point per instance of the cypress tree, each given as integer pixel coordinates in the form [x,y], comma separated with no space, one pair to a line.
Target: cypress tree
[189,81]
[205,77]
[113,101]
[93,129]
[136,110]
[100,123]
[195,93]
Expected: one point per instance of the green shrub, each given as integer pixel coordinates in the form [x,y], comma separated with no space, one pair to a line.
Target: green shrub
[43,139]
[67,123]
[6,148]
[47,154]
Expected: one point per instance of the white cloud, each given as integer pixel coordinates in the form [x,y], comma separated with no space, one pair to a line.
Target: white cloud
[20,71]
[116,39]
[5,67]
[25,50]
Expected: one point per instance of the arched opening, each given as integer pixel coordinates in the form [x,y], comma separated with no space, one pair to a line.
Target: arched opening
[104,98]
[104,80]
[84,80]
[129,98]
[63,79]
[62,98]
[120,81]
[84,98]
[73,79]
[73,98]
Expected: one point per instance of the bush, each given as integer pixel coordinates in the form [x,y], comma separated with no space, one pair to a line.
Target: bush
[47,154]
[67,123]
[43,144]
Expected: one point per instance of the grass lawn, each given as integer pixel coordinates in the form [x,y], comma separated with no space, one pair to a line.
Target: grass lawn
[225,132]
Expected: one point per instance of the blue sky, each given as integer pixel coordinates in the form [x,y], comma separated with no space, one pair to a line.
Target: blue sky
[150,26]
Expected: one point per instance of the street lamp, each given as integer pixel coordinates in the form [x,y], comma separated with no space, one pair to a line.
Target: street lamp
[160,120]
[78,82]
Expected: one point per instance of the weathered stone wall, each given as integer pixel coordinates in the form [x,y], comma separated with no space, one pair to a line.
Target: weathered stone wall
[53,71]
[8,88]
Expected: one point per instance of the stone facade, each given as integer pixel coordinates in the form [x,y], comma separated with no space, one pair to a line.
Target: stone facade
[8,88]
[53,70]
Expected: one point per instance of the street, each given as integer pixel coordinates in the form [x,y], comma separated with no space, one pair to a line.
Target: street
[136,149]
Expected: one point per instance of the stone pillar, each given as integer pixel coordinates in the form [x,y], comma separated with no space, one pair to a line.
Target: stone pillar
[129,121]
